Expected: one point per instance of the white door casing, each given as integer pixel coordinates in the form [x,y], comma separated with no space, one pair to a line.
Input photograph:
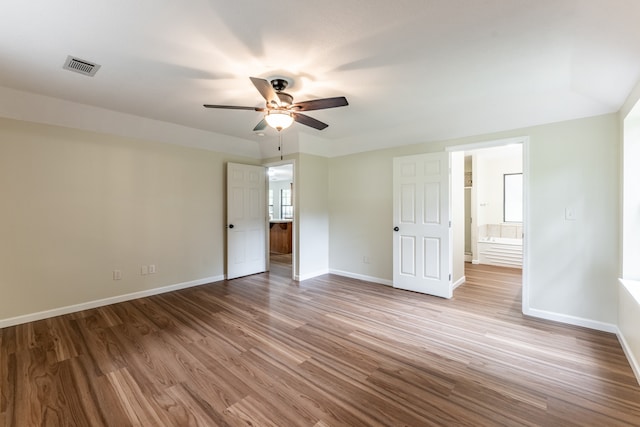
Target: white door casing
[246,220]
[422,252]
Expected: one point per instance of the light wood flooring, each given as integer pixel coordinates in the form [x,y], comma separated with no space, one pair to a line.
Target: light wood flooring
[266,351]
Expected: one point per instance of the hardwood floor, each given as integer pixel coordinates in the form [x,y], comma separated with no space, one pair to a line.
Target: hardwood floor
[265,351]
[280,264]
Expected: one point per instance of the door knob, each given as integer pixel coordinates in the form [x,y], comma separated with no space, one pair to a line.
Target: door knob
[396,228]
[230,225]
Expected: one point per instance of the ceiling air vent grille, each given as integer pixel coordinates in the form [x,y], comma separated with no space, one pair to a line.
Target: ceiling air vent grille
[81,66]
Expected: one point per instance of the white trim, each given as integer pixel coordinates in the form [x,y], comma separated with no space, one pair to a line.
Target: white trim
[571,320]
[475,261]
[635,364]
[459,282]
[526,225]
[105,301]
[487,144]
[308,276]
[633,287]
[362,277]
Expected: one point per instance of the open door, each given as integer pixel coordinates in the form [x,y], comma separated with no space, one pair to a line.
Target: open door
[422,251]
[246,220]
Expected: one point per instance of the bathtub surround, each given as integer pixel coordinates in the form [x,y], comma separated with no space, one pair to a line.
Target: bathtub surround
[500,251]
[500,244]
[508,230]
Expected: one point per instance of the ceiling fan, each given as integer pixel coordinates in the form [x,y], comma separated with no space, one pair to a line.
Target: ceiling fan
[280,109]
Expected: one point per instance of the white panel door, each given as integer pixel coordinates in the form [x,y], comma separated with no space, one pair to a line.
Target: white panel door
[246,220]
[422,255]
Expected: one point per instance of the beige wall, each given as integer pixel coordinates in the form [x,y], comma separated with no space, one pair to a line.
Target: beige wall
[76,205]
[311,180]
[361,215]
[573,264]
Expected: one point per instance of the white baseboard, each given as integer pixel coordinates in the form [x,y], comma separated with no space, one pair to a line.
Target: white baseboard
[571,320]
[475,261]
[105,301]
[308,276]
[633,361]
[459,282]
[362,277]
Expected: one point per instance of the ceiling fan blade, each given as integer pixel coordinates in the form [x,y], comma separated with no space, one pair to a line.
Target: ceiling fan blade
[260,126]
[320,104]
[233,107]
[266,90]
[309,121]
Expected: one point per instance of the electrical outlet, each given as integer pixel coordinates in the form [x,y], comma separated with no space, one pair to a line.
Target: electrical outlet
[117,275]
[152,268]
[366,260]
[144,270]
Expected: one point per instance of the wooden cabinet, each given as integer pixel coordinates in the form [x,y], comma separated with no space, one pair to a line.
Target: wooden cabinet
[280,237]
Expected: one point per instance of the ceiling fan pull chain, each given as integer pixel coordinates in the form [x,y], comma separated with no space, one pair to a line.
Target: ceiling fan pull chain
[280,144]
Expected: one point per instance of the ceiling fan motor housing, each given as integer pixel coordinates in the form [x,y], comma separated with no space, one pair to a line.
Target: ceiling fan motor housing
[279,84]
[285,98]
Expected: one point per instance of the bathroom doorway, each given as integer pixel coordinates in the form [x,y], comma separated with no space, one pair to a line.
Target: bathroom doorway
[280,196]
[495,204]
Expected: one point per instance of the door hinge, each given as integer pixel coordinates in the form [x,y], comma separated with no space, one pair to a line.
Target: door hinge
[449,224]
[449,276]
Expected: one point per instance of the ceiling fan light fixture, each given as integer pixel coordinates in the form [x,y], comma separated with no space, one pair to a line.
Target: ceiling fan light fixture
[278,119]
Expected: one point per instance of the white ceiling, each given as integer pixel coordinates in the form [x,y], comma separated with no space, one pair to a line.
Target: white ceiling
[412,70]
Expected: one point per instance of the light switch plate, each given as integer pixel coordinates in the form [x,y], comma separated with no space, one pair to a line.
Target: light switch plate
[569,214]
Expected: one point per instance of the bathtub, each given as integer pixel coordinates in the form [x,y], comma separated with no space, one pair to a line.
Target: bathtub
[501,251]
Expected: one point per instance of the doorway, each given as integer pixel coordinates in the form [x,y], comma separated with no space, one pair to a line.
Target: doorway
[495,200]
[280,208]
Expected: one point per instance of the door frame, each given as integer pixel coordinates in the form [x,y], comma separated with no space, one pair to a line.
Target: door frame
[524,140]
[294,222]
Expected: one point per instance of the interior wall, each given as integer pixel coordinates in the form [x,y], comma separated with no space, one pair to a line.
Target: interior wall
[312,217]
[78,205]
[491,165]
[361,215]
[457,216]
[573,264]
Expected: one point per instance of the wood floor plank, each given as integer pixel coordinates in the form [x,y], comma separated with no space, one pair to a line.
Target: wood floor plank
[329,351]
[141,408]
[185,408]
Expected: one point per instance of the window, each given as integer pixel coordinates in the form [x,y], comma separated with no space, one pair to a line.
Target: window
[285,203]
[512,197]
[270,204]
